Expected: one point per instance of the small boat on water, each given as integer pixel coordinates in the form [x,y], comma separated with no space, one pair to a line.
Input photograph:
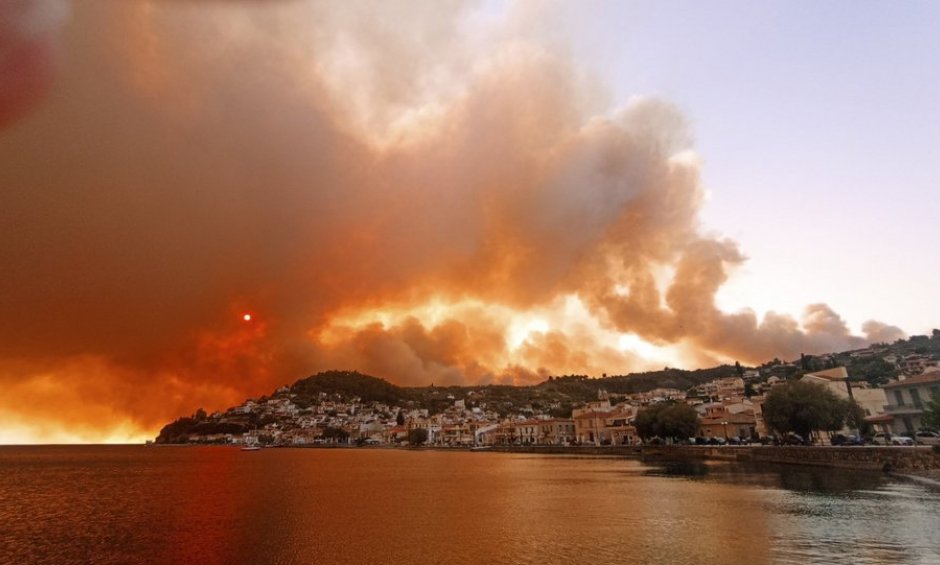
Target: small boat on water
[252,448]
[481,448]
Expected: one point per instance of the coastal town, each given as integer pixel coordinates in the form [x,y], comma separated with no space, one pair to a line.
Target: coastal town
[346,408]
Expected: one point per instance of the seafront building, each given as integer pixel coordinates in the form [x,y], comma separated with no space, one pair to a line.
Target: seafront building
[906,400]
[730,419]
[872,400]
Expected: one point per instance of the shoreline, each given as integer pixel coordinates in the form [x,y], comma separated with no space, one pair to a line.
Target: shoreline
[918,464]
[919,461]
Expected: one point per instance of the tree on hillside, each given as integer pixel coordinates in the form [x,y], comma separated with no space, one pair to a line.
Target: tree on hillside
[400,418]
[803,407]
[417,436]
[931,416]
[335,435]
[350,384]
[176,431]
[876,371]
[667,420]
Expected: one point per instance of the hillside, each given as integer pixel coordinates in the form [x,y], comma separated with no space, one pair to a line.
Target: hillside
[556,396]
[351,384]
[871,364]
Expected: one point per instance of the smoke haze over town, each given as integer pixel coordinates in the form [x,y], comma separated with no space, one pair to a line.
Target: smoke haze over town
[218,198]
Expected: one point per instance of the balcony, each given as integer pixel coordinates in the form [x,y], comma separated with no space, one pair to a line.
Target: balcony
[904,408]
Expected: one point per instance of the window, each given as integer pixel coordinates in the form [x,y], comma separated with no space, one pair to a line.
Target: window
[899,398]
[915,396]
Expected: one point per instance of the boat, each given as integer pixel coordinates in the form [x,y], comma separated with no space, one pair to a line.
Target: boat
[481,448]
[251,448]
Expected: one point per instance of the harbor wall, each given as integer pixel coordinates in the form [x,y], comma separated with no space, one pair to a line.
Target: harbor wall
[888,459]
[871,458]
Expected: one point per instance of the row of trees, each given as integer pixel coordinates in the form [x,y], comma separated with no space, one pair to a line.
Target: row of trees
[797,407]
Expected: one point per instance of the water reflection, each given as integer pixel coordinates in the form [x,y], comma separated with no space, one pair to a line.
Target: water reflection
[789,477]
[218,505]
[820,515]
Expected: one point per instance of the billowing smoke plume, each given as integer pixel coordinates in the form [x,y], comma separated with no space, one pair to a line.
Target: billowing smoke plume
[423,200]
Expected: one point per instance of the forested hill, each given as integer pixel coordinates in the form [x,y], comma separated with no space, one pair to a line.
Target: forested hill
[563,390]
[637,382]
[350,384]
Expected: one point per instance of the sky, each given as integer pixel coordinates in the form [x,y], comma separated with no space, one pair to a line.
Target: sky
[815,123]
[449,193]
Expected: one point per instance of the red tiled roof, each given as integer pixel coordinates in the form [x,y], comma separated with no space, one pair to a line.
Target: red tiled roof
[592,414]
[933,377]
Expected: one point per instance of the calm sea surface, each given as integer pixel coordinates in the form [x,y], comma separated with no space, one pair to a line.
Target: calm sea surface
[133,504]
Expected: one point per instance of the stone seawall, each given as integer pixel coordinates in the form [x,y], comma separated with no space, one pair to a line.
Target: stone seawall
[894,459]
[869,458]
[611,450]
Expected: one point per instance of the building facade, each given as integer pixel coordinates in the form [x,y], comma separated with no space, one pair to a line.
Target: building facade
[907,400]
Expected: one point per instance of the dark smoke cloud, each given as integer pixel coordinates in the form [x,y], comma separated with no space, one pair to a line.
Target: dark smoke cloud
[335,176]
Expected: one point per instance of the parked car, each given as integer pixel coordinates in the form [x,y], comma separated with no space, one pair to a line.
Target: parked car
[902,440]
[924,437]
[848,440]
[795,439]
[882,438]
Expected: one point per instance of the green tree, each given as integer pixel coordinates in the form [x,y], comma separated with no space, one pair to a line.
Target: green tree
[265,439]
[667,420]
[338,435]
[876,370]
[562,411]
[418,436]
[176,431]
[855,417]
[400,418]
[803,407]
[931,416]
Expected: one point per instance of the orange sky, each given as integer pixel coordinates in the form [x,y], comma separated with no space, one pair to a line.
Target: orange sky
[430,202]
